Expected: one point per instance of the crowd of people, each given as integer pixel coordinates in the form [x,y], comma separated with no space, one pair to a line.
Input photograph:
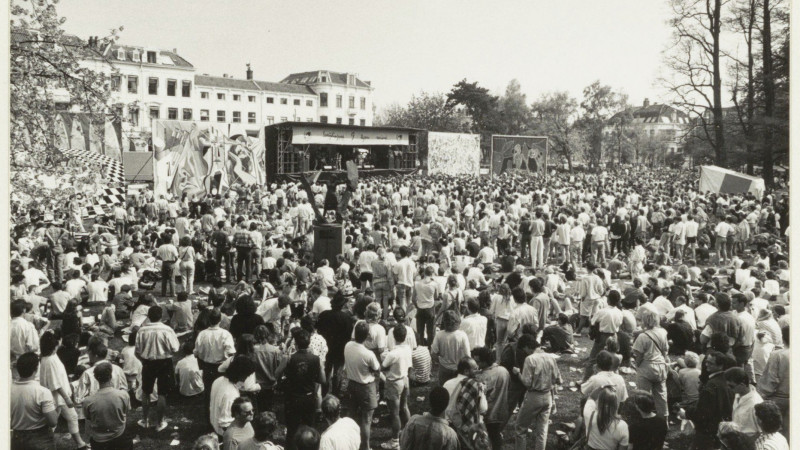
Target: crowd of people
[470,289]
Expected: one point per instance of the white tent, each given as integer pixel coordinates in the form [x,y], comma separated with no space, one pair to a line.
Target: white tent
[719,179]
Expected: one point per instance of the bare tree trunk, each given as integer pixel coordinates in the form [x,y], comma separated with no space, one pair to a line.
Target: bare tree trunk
[719,132]
[769,96]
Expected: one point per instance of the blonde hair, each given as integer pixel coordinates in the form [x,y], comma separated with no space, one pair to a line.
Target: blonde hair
[650,319]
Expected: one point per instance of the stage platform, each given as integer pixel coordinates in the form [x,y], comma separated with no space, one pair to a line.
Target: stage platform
[326,175]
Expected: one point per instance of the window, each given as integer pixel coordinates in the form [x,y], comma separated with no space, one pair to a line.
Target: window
[363,103]
[220,116]
[270,99]
[309,102]
[284,119]
[151,57]
[323,119]
[237,117]
[251,117]
[121,54]
[186,88]
[133,116]
[187,114]
[296,102]
[204,95]
[135,56]
[351,121]
[220,96]
[251,98]
[270,120]
[172,113]
[351,102]
[133,84]
[324,79]
[323,99]
[237,97]
[116,80]
[363,122]
[351,80]
[309,119]
[154,112]
[152,86]
[171,86]
[339,120]
[338,101]
[203,115]
[284,101]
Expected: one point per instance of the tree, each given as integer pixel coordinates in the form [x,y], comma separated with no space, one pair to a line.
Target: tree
[45,62]
[515,115]
[744,22]
[481,106]
[428,112]
[555,115]
[599,103]
[620,137]
[694,59]
[768,83]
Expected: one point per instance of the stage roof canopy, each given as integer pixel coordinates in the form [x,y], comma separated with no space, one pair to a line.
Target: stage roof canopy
[311,133]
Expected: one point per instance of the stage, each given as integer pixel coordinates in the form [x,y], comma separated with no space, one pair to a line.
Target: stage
[295,149]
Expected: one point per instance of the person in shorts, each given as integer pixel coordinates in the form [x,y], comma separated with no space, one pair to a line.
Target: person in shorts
[395,366]
[361,366]
[156,343]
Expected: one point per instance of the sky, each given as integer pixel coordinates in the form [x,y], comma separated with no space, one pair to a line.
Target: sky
[404,47]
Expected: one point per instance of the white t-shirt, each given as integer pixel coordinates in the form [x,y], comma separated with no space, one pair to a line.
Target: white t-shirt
[398,361]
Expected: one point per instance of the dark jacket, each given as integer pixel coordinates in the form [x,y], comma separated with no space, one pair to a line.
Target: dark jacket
[714,405]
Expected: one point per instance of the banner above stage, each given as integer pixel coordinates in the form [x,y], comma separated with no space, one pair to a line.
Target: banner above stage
[302,135]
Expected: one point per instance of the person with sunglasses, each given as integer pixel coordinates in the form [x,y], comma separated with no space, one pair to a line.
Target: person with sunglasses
[241,429]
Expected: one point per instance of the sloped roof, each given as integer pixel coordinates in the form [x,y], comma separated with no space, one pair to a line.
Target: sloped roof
[251,85]
[284,87]
[164,56]
[312,77]
[656,113]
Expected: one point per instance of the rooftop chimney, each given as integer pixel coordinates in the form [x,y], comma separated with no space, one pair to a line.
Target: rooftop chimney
[224,75]
[249,72]
[646,102]
[175,50]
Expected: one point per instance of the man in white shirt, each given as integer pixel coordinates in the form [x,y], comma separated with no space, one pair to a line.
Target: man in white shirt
[576,236]
[23,335]
[744,402]
[342,433]
[396,364]
[35,277]
[212,347]
[326,274]
[599,243]
[474,325]
[361,367]
[688,312]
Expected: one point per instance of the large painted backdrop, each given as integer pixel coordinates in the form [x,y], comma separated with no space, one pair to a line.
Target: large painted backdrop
[519,154]
[204,159]
[454,153]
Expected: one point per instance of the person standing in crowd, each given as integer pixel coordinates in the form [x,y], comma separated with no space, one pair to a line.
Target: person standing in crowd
[650,351]
[430,431]
[212,347]
[303,371]
[240,429]
[23,335]
[106,413]
[53,376]
[224,392]
[404,272]
[342,433]
[769,419]
[168,255]
[449,346]
[495,378]
[715,403]
[264,426]
[540,376]
[774,384]
[397,363]
[156,343]
[608,322]
[426,292]
[744,402]
[32,409]
[336,326]
[361,367]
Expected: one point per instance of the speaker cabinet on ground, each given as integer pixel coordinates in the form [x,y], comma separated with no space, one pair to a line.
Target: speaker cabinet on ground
[328,241]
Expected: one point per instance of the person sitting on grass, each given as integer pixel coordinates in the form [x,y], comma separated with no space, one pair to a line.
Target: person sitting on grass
[558,338]
[650,432]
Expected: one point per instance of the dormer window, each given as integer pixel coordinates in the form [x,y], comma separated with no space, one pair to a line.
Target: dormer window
[324,79]
[135,56]
[351,80]
[121,54]
[151,57]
